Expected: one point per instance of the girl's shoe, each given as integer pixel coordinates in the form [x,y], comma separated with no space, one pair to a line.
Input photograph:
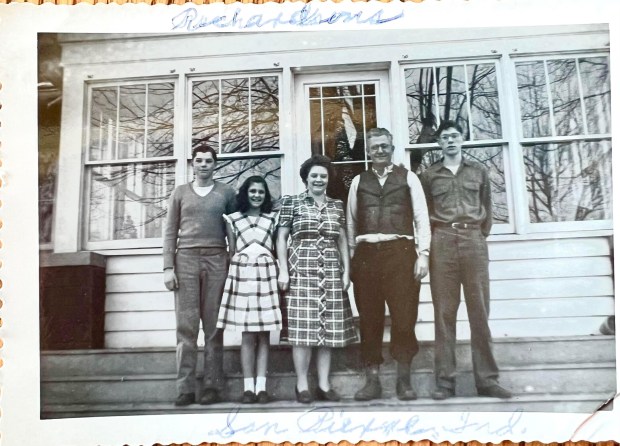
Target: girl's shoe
[249,397]
[304,397]
[330,395]
[262,397]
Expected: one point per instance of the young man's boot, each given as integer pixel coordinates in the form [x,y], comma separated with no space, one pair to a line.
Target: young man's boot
[372,387]
[404,390]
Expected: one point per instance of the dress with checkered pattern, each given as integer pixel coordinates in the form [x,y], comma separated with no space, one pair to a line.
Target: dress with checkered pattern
[251,300]
[318,310]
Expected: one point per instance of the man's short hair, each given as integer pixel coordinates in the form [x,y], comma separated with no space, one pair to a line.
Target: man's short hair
[205,149]
[446,125]
[378,131]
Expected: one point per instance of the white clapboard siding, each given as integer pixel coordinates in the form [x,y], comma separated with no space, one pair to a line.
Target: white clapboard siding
[548,287]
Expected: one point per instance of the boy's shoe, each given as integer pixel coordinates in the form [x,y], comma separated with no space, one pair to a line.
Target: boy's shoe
[494,391]
[209,397]
[442,393]
[262,397]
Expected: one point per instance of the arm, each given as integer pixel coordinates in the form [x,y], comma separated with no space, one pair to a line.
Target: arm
[230,235]
[171,233]
[345,261]
[281,251]
[422,225]
[352,215]
[486,201]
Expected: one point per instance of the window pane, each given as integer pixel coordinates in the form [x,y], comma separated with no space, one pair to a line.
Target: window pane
[234,172]
[103,123]
[128,201]
[596,93]
[421,105]
[265,114]
[533,99]
[160,120]
[132,106]
[205,113]
[565,97]
[484,102]
[452,96]
[338,125]
[493,159]
[569,182]
[235,115]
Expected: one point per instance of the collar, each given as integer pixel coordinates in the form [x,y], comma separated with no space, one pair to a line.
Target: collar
[438,165]
[306,197]
[388,170]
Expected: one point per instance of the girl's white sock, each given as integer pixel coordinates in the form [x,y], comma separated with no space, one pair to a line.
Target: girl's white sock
[260,383]
[248,384]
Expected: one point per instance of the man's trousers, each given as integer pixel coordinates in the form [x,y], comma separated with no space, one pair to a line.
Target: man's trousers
[460,257]
[201,273]
[383,272]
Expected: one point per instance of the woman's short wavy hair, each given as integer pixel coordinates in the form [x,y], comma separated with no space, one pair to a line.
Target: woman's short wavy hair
[316,160]
[243,202]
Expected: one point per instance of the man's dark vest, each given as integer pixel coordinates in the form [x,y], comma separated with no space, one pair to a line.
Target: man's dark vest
[384,209]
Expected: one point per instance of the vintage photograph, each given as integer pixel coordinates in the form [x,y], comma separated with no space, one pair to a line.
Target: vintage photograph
[415,220]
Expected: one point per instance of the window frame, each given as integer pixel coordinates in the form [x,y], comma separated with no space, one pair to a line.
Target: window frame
[504,142]
[88,165]
[523,142]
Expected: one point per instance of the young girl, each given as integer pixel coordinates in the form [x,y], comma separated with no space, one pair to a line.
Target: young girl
[250,302]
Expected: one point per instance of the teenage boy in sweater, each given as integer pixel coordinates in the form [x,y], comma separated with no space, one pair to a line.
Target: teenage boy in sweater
[195,267]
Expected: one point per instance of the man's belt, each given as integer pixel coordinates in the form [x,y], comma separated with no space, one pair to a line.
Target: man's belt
[456,225]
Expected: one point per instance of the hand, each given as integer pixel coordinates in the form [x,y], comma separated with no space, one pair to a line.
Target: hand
[420,269]
[283,280]
[170,279]
[346,281]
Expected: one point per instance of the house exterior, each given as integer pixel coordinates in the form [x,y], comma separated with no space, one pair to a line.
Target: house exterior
[534,103]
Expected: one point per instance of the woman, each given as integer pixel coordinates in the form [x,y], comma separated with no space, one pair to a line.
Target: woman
[315,271]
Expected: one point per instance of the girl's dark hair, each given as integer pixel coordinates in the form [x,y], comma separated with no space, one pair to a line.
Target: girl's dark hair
[243,203]
[315,160]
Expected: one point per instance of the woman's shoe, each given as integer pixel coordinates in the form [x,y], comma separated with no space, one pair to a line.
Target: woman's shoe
[330,395]
[304,397]
[249,397]
[262,397]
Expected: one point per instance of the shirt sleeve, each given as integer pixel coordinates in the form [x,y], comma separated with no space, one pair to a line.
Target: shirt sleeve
[486,200]
[231,203]
[171,230]
[352,212]
[341,218]
[420,212]
[285,219]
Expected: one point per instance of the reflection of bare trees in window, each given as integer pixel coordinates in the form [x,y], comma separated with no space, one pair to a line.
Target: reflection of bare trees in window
[236,115]
[569,182]
[129,201]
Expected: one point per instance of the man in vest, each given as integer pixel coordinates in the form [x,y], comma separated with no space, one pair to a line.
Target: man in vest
[386,207]
[195,267]
[458,192]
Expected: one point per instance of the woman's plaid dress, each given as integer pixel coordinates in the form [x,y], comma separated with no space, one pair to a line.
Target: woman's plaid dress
[319,313]
[251,301]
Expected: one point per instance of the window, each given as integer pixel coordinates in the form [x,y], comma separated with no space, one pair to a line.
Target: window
[240,118]
[468,94]
[130,163]
[565,124]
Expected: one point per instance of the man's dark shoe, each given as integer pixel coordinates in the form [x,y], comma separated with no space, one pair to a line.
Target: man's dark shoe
[404,390]
[209,397]
[442,393]
[495,391]
[372,387]
[249,397]
[185,399]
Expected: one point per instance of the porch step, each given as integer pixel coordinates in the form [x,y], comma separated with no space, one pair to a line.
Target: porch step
[577,403]
[558,374]
[508,352]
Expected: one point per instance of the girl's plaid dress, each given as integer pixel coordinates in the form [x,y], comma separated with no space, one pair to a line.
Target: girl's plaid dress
[319,313]
[251,301]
